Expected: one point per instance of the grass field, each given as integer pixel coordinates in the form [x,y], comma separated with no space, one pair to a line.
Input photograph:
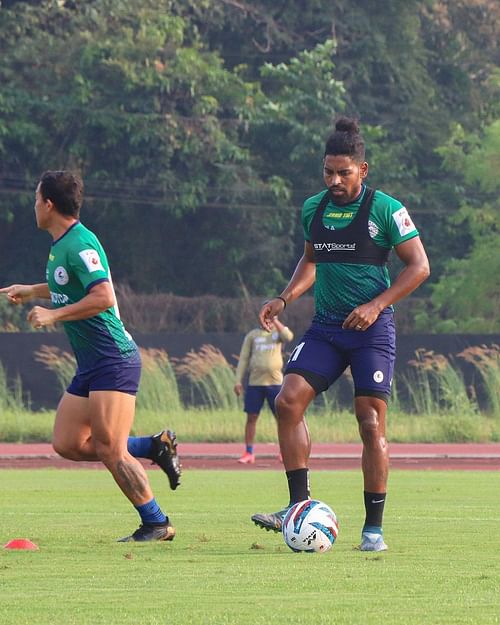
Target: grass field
[443,565]
[224,425]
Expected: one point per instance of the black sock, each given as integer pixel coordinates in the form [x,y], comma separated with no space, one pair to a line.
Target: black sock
[374,506]
[298,485]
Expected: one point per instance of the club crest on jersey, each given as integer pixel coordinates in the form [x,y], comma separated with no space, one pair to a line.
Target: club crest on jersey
[403,221]
[61,276]
[91,260]
[372,228]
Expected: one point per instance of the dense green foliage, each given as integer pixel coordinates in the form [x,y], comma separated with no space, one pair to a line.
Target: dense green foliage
[467,297]
[198,126]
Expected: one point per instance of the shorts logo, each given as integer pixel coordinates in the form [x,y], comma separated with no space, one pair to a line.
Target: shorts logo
[91,260]
[61,276]
[378,376]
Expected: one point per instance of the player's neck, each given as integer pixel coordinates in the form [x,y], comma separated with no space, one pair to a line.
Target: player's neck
[60,226]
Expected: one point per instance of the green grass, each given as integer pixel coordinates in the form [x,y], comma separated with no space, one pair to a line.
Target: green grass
[203,425]
[442,567]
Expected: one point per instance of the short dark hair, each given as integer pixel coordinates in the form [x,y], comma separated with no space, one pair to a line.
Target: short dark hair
[64,189]
[346,140]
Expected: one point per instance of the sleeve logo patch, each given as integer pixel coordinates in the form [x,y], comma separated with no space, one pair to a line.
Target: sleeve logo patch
[91,260]
[61,276]
[403,221]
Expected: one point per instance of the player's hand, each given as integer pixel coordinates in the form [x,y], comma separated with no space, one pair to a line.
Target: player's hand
[277,324]
[40,317]
[238,389]
[362,317]
[269,311]
[18,293]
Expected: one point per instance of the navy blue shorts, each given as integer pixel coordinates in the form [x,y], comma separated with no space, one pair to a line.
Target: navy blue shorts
[121,376]
[255,396]
[324,352]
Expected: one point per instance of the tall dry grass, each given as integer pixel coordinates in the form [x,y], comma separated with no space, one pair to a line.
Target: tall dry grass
[158,390]
[436,386]
[211,376]
[486,360]
[12,396]
[432,404]
[60,362]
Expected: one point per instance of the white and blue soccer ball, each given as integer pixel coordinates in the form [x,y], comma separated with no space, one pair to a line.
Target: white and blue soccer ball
[311,526]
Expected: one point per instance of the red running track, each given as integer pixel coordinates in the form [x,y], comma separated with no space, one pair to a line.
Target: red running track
[324,456]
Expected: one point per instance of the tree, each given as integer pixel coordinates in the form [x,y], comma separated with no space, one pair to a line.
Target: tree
[466,297]
[132,98]
[198,124]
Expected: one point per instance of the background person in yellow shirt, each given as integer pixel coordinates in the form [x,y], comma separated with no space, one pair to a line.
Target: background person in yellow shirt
[261,356]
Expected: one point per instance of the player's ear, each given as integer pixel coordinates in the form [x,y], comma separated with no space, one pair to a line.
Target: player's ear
[363,169]
[49,204]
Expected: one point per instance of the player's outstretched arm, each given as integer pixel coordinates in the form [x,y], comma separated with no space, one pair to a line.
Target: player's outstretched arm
[100,298]
[22,293]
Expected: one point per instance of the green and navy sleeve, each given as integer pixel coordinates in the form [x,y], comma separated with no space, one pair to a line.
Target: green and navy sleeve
[391,220]
[89,264]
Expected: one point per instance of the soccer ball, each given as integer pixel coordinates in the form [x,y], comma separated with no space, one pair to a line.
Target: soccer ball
[311,526]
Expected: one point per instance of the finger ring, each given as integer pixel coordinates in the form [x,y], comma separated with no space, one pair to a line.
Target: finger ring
[358,327]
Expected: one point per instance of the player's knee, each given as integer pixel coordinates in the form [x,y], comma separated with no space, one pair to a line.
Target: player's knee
[285,405]
[370,428]
[252,417]
[108,451]
[102,450]
[66,450]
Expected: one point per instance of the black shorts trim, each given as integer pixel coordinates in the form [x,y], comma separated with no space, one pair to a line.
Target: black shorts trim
[362,392]
[318,382]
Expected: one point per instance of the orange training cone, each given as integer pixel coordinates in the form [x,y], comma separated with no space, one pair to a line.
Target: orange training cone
[20,543]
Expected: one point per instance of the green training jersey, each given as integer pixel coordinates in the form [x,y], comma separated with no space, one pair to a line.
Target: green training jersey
[76,263]
[340,287]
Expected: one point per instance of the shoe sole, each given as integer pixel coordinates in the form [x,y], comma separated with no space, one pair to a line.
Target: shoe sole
[170,534]
[170,441]
[267,527]
[385,548]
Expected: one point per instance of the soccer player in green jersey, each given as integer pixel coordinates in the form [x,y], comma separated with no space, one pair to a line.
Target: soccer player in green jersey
[95,414]
[349,230]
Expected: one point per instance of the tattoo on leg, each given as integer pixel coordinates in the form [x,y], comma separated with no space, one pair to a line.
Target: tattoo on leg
[132,478]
